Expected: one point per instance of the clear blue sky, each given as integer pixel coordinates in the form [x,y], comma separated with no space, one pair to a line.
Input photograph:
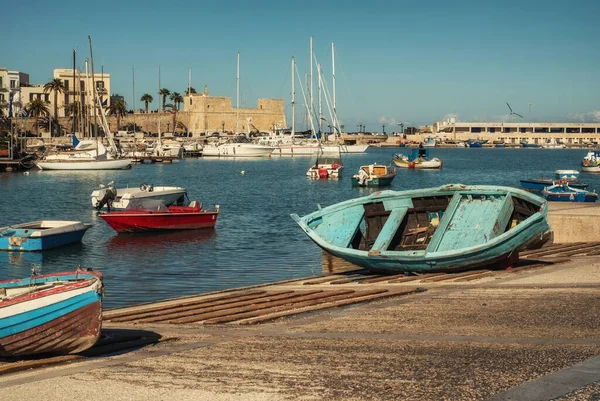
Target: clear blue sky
[395,60]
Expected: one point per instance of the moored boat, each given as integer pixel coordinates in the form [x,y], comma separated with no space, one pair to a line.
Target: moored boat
[121,197]
[591,162]
[151,215]
[59,313]
[564,192]
[374,175]
[539,184]
[419,159]
[41,235]
[326,164]
[449,228]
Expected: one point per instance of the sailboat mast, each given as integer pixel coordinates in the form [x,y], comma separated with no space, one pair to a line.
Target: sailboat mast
[86,110]
[133,89]
[74,111]
[320,104]
[95,131]
[237,95]
[335,122]
[310,90]
[293,102]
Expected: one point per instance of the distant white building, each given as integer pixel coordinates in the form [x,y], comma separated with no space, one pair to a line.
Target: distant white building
[11,83]
[80,87]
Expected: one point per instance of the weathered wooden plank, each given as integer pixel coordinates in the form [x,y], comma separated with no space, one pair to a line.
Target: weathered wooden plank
[339,228]
[436,239]
[474,225]
[389,229]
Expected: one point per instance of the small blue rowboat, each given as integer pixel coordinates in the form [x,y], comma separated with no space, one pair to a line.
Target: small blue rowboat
[58,313]
[450,228]
[539,184]
[564,192]
[41,235]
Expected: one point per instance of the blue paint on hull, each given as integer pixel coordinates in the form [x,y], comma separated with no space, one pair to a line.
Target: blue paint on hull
[29,244]
[538,185]
[40,316]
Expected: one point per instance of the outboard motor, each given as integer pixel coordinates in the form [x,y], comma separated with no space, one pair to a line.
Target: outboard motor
[109,196]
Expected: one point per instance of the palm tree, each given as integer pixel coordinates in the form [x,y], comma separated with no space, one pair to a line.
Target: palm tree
[38,108]
[164,92]
[176,98]
[147,98]
[119,110]
[57,86]
[73,110]
[190,90]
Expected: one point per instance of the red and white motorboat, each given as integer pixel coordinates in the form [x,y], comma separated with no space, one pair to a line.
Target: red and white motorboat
[152,215]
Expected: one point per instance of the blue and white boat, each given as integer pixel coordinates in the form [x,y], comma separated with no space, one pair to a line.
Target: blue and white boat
[537,185]
[41,235]
[449,228]
[476,143]
[58,313]
[564,192]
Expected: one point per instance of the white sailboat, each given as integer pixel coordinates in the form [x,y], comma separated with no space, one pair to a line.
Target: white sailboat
[88,154]
[238,145]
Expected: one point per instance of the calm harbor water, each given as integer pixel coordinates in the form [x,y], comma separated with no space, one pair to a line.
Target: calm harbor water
[255,240]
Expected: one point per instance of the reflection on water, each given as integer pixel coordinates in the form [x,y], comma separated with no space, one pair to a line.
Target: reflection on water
[153,241]
[255,240]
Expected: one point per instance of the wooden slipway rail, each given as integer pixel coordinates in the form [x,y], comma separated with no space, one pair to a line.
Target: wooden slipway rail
[267,302]
[264,303]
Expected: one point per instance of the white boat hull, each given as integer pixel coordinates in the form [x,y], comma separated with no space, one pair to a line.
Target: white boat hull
[310,150]
[430,164]
[238,150]
[168,195]
[115,164]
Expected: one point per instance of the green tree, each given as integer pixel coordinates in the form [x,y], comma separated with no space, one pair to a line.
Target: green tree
[119,110]
[73,111]
[190,90]
[176,98]
[164,92]
[146,98]
[38,108]
[56,86]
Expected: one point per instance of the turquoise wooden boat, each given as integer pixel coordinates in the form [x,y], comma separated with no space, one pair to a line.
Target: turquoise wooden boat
[449,228]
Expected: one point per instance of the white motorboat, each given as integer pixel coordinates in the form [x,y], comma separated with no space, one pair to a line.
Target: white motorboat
[120,198]
[238,146]
[326,165]
[591,162]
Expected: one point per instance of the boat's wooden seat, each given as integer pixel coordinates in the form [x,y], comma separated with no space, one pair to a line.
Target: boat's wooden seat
[389,229]
[480,220]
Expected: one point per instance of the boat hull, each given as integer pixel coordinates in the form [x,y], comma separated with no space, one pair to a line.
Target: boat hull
[337,228]
[419,165]
[23,239]
[56,320]
[130,222]
[572,197]
[167,195]
[375,181]
[237,150]
[115,164]
[538,185]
